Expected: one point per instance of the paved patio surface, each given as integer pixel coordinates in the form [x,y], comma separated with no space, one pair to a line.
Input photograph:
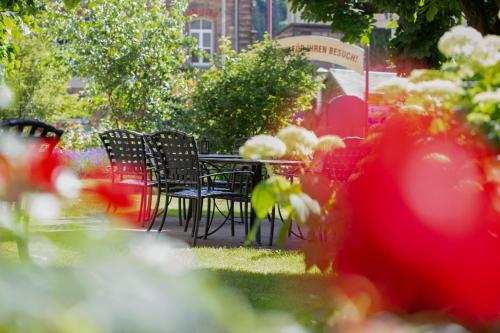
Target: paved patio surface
[222,238]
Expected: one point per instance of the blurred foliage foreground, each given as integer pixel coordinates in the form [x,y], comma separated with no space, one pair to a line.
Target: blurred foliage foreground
[120,284]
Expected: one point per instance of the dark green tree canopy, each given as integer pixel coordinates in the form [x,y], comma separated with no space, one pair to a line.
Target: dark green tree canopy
[420,23]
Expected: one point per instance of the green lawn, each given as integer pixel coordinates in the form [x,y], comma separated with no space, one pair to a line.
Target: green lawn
[269,279]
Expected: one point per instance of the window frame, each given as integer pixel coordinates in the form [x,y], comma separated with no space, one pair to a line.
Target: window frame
[201,32]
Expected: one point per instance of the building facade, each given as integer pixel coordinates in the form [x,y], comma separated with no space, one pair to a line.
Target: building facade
[213,19]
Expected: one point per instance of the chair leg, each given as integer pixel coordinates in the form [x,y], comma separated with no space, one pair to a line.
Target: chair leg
[246,217]
[189,215]
[184,212]
[241,211]
[150,203]
[155,211]
[273,218]
[147,205]
[197,220]
[209,211]
[165,211]
[231,211]
[141,206]
[198,208]
[180,203]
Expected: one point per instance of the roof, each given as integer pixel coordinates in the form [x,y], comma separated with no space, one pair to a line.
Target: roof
[353,83]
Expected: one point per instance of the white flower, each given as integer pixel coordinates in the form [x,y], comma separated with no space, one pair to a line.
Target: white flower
[394,88]
[44,206]
[487,53]
[492,41]
[298,140]
[437,88]
[460,41]
[262,147]
[6,97]
[412,108]
[492,97]
[68,184]
[304,206]
[328,143]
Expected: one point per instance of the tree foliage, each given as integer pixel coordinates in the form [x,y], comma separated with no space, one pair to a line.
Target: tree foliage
[40,83]
[134,53]
[17,18]
[420,23]
[252,92]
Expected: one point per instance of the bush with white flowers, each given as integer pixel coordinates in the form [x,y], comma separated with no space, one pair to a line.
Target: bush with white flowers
[468,85]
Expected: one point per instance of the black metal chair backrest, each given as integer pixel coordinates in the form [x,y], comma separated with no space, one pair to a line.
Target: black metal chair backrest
[155,158]
[27,128]
[179,157]
[126,152]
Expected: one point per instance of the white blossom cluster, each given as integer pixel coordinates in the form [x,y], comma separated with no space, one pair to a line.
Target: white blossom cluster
[292,141]
[416,95]
[298,140]
[263,147]
[492,97]
[466,42]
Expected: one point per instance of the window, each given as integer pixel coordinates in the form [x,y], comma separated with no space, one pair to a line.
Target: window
[202,31]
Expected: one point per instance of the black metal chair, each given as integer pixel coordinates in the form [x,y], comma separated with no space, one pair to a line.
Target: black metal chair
[48,135]
[130,166]
[44,135]
[185,178]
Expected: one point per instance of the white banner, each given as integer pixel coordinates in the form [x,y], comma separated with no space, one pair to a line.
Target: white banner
[327,49]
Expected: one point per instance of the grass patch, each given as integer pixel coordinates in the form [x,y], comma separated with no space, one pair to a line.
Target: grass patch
[271,280]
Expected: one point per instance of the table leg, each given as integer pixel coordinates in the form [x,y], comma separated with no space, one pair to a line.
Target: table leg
[257,177]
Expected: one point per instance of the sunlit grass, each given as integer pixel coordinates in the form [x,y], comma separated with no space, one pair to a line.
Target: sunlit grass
[271,280]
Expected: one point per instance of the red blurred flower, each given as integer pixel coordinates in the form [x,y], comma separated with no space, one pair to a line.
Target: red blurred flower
[421,224]
[116,195]
[41,167]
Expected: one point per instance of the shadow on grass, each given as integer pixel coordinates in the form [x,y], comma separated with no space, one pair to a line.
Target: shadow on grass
[305,296]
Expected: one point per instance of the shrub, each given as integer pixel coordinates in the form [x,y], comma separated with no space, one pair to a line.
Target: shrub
[250,93]
[39,83]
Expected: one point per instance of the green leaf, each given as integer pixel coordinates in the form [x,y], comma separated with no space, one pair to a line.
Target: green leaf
[431,12]
[70,4]
[364,40]
[263,198]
